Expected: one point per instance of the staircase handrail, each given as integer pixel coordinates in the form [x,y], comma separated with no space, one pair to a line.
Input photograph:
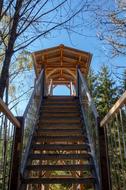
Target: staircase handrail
[115,108]
[9,125]
[90,99]
[6,111]
[91,121]
[35,101]
[114,123]
[33,93]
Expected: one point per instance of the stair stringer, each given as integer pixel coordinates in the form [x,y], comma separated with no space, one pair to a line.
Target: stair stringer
[26,154]
[85,126]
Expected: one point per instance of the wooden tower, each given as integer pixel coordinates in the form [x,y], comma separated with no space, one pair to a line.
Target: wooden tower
[60,64]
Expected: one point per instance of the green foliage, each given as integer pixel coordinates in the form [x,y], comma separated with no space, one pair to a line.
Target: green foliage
[92,82]
[124,80]
[106,91]
[103,89]
[122,87]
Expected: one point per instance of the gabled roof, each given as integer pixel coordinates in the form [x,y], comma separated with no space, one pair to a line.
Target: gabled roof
[60,63]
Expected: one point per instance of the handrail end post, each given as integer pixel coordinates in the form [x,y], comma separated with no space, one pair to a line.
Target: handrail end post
[104,159]
[14,178]
[77,81]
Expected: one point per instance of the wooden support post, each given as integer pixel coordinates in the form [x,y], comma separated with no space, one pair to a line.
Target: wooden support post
[71,88]
[16,156]
[105,171]
[50,88]
[77,81]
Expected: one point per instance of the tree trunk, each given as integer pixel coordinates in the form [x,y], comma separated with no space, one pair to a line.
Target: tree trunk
[10,48]
[1,7]
[5,73]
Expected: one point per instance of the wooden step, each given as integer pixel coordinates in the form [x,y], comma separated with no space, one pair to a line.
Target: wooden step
[46,134]
[61,98]
[41,138]
[60,146]
[64,108]
[59,130]
[69,167]
[69,103]
[61,102]
[60,125]
[56,180]
[58,120]
[57,127]
[60,114]
[60,111]
[61,106]
[62,138]
[57,117]
[83,156]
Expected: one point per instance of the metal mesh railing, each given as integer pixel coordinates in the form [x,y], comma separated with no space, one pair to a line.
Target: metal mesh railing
[31,115]
[91,120]
[8,123]
[115,126]
[6,143]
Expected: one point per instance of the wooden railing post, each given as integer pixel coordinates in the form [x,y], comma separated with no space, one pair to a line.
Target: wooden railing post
[104,159]
[77,82]
[16,157]
[44,89]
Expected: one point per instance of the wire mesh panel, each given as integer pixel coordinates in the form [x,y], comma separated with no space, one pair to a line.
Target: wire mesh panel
[6,144]
[91,120]
[8,124]
[31,116]
[116,138]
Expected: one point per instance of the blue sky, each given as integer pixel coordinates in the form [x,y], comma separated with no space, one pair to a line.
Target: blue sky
[88,41]
[90,44]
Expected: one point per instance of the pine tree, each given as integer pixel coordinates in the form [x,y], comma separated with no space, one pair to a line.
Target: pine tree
[106,90]
[92,83]
[124,81]
[122,86]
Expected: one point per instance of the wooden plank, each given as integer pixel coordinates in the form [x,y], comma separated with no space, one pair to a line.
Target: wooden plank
[53,114]
[61,82]
[66,49]
[104,159]
[14,179]
[60,130]
[54,59]
[83,156]
[57,131]
[54,126]
[84,146]
[61,125]
[68,102]
[67,110]
[60,120]
[61,106]
[77,52]
[62,56]
[68,167]
[67,180]
[4,109]
[120,102]
[58,134]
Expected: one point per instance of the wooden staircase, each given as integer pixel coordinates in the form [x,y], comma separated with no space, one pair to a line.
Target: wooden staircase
[59,152]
